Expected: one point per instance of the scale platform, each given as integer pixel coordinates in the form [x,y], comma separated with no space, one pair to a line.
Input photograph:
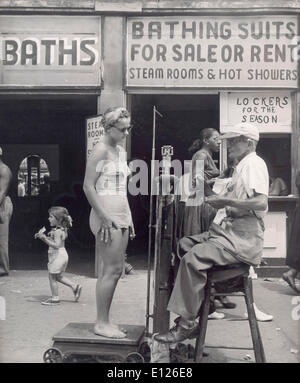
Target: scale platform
[79,339]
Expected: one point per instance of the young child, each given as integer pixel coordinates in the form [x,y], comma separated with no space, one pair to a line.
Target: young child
[60,221]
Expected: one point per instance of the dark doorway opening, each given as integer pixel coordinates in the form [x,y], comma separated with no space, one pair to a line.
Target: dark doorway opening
[53,128]
[184,116]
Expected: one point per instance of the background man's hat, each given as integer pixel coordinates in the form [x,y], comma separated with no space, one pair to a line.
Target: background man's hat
[242,129]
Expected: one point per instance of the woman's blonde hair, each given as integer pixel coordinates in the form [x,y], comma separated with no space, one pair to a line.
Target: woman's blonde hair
[62,216]
[112,115]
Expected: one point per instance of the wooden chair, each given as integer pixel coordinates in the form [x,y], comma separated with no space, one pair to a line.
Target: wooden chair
[239,276]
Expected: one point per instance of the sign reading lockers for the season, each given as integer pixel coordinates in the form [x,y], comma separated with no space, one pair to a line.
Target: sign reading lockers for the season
[50,51]
[201,51]
[94,131]
[271,112]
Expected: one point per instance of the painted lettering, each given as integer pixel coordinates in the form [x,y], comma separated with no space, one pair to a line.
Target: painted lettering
[50,51]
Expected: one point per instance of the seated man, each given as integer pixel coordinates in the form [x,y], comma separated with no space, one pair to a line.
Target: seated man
[238,238]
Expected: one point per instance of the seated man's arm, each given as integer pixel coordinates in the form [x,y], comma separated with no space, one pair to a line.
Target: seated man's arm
[257,202]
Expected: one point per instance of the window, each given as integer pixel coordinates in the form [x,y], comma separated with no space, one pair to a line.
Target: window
[33,177]
[276,151]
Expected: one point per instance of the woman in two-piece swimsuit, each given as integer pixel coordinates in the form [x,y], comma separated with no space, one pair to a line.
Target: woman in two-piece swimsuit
[105,187]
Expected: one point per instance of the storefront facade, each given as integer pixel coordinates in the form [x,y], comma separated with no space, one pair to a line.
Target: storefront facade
[204,64]
[50,82]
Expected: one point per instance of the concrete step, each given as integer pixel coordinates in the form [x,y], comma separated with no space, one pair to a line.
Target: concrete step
[275,261]
[270,271]
[274,268]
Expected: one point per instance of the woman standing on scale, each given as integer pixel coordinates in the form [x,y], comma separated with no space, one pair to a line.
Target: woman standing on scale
[105,186]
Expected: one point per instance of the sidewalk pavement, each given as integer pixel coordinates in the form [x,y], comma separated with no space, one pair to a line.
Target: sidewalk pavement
[27,331]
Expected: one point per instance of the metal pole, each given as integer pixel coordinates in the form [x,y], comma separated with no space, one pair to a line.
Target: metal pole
[150,223]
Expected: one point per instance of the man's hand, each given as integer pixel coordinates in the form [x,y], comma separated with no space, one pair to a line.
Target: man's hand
[216,201]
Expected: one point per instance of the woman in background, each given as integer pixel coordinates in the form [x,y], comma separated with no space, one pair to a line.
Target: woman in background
[199,215]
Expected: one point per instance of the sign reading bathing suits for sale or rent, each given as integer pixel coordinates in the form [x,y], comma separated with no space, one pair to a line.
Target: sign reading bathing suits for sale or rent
[198,51]
[94,131]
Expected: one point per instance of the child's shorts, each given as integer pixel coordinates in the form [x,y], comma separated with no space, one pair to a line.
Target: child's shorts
[58,260]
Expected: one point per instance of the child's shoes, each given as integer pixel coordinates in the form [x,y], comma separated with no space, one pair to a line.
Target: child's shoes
[77,292]
[51,302]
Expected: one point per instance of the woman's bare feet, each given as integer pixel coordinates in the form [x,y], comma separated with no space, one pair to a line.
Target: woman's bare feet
[109,331]
[117,327]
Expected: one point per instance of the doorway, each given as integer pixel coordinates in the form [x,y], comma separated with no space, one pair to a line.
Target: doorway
[184,116]
[45,136]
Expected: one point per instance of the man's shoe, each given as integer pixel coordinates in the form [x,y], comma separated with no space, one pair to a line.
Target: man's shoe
[195,331]
[261,316]
[216,315]
[175,335]
[226,302]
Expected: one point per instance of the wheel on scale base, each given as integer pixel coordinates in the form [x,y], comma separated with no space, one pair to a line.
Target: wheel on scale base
[135,357]
[145,351]
[53,355]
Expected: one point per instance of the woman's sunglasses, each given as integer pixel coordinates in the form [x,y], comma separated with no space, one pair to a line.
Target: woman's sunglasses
[123,130]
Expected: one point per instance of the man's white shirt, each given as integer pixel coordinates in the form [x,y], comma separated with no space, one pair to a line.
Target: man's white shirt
[250,175]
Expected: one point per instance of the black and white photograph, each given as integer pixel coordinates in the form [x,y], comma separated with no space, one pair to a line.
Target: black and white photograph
[149,184]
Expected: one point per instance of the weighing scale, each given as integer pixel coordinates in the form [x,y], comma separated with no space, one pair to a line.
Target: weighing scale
[78,339]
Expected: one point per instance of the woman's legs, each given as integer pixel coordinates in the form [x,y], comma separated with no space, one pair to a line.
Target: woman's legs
[125,234]
[112,257]
[124,246]
[292,272]
[290,276]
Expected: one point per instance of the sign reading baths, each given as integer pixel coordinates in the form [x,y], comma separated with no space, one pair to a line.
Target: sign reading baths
[44,50]
[194,51]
